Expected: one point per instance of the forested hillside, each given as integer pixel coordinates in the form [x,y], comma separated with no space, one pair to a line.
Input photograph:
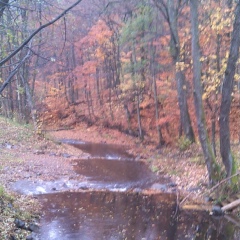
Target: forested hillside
[149,68]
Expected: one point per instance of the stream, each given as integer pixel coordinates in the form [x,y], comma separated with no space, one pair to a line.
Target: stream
[118,198]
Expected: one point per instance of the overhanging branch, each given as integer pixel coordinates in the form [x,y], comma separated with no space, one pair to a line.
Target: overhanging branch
[14,71]
[36,32]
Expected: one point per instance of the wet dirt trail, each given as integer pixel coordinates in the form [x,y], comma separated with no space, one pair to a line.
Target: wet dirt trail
[116,197]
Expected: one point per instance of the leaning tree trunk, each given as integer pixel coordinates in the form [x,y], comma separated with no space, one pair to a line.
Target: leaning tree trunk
[227,90]
[3,5]
[212,166]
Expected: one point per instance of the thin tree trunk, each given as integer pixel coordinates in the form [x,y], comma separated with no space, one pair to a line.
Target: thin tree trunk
[88,104]
[30,102]
[183,106]
[170,12]
[128,117]
[227,90]
[137,91]
[3,5]
[156,103]
[201,123]
[99,100]
[160,137]
[179,75]
[110,103]
[139,117]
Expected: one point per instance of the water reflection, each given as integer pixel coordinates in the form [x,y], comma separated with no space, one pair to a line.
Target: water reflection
[133,216]
[120,173]
[100,150]
[108,215]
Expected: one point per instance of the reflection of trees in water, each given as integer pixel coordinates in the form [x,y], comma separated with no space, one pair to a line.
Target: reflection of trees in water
[217,229]
[129,215]
[103,150]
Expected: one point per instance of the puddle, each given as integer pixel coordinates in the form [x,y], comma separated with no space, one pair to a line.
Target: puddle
[119,175]
[133,216]
[100,150]
[120,172]
[107,215]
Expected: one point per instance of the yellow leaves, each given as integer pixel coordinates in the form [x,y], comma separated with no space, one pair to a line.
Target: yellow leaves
[237,77]
[204,96]
[126,86]
[221,20]
[212,76]
[98,40]
[181,66]
[209,90]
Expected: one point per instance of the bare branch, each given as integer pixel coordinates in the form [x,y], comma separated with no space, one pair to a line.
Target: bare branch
[162,8]
[37,31]
[3,4]
[15,70]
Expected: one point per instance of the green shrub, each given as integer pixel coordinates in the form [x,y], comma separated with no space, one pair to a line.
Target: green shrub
[235,179]
[2,191]
[184,143]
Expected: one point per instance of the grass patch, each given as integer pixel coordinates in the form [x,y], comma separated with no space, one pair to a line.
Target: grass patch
[184,143]
[154,168]
[174,172]
[197,160]
[107,136]
[14,133]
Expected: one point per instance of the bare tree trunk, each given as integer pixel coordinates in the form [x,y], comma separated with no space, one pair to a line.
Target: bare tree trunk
[160,137]
[227,93]
[30,101]
[99,100]
[210,161]
[215,107]
[88,104]
[153,72]
[128,117]
[170,12]
[139,117]
[91,103]
[137,92]
[183,106]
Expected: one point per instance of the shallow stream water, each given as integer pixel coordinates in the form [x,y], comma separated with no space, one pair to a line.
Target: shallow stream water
[118,198]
